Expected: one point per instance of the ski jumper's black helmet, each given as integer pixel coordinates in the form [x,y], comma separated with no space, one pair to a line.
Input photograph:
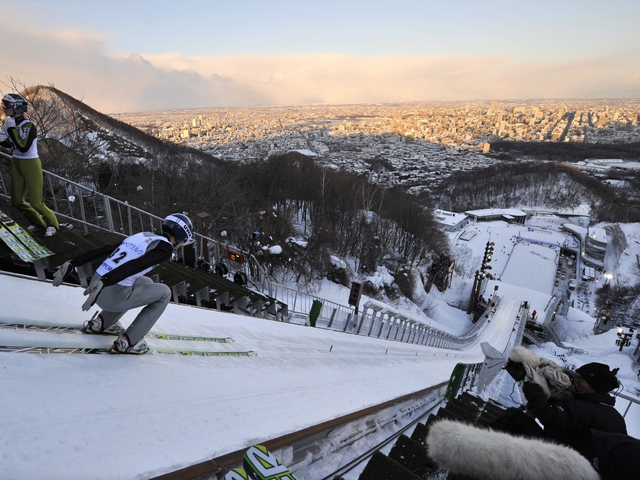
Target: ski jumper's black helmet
[180,227]
[15,101]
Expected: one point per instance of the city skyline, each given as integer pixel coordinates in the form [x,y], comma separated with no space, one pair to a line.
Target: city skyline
[142,56]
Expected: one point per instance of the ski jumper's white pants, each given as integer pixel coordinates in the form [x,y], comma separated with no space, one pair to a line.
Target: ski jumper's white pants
[116,300]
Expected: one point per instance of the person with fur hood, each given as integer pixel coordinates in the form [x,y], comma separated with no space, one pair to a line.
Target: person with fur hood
[484,454]
[568,404]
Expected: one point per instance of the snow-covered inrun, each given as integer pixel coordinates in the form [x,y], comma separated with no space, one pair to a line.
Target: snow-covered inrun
[134,417]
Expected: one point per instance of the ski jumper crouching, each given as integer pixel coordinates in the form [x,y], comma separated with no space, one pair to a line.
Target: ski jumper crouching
[119,284]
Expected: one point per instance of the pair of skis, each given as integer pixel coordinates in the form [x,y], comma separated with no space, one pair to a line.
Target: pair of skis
[260,464]
[62,329]
[20,241]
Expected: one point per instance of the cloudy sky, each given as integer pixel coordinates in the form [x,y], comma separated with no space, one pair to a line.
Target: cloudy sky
[139,55]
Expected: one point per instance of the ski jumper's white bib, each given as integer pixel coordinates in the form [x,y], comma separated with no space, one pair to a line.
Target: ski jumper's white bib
[23,131]
[131,248]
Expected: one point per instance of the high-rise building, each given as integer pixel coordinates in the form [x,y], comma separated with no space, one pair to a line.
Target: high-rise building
[595,247]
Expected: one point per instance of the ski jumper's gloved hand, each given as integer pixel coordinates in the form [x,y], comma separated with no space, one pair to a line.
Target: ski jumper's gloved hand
[9,122]
[62,271]
[93,290]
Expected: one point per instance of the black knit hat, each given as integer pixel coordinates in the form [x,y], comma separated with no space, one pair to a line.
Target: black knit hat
[599,377]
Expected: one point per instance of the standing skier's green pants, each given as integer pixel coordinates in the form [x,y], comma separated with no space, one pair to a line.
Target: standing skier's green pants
[26,180]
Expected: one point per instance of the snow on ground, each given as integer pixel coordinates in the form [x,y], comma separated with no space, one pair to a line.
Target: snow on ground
[531,269]
[624,268]
[543,236]
[539,302]
[575,326]
[531,266]
[448,319]
[101,416]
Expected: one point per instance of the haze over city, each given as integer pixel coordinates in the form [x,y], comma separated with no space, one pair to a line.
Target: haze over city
[140,56]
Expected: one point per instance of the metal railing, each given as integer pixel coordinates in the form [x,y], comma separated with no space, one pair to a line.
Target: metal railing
[387,325]
[633,400]
[84,207]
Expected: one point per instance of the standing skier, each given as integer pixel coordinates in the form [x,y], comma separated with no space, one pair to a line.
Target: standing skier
[20,134]
[119,285]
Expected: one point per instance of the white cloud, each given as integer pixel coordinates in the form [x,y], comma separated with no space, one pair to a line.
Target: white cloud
[76,63]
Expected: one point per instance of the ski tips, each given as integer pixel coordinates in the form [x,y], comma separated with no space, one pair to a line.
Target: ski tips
[260,464]
[236,474]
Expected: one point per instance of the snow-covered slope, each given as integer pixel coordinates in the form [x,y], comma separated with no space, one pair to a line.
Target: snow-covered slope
[101,416]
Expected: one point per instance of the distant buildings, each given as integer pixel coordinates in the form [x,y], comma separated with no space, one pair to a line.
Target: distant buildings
[450,221]
[604,166]
[420,144]
[510,215]
[464,126]
[595,247]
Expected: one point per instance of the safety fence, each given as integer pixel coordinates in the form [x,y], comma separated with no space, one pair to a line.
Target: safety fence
[81,206]
[633,402]
[371,321]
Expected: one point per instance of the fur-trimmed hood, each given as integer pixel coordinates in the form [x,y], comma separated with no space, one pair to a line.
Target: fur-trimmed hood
[485,454]
[522,354]
[556,381]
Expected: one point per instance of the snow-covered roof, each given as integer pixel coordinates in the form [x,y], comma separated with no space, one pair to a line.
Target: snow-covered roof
[546,237]
[589,260]
[306,151]
[490,212]
[468,235]
[581,232]
[589,272]
[598,234]
[604,164]
[448,218]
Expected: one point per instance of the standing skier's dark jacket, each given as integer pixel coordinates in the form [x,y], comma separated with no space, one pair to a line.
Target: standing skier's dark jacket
[570,421]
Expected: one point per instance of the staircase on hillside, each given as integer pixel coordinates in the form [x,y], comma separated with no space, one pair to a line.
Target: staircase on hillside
[409,458]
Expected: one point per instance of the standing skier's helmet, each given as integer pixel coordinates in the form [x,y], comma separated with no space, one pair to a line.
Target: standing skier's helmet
[180,227]
[15,101]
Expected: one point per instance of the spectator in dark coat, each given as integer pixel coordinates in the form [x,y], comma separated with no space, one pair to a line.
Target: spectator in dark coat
[570,421]
[618,456]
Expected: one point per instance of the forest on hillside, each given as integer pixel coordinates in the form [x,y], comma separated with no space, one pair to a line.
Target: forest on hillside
[290,201]
[565,151]
[541,184]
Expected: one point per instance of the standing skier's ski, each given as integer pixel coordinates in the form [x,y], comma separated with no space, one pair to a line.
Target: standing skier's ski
[104,350]
[16,245]
[260,464]
[38,251]
[78,329]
